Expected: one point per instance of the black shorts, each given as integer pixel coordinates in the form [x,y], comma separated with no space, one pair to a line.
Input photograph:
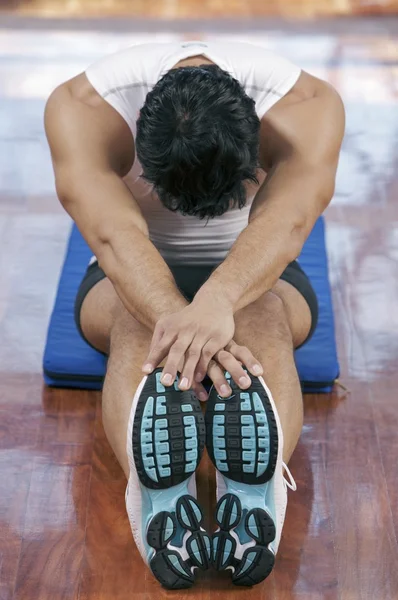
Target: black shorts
[190,279]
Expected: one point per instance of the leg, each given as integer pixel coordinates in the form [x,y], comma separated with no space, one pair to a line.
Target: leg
[245,432]
[158,436]
[109,327]
[272,327]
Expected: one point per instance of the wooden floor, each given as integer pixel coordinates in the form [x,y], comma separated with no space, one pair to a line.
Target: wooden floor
[64,533]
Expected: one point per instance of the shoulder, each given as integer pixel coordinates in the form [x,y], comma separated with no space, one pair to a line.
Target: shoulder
[308,119]
[78,120]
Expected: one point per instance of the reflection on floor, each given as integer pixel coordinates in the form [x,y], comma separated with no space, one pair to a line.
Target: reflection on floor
[63,530]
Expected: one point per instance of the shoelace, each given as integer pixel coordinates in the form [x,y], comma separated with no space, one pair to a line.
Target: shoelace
[289,483]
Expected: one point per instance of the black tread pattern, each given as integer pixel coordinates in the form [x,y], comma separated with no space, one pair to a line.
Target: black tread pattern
[174,415]
[257,561]
[233,435]
[167,565]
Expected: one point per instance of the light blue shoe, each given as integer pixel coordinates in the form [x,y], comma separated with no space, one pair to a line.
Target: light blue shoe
[245,443]
[165,442]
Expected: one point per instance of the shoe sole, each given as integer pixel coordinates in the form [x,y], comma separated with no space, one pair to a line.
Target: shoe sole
[168,438]
[242,442]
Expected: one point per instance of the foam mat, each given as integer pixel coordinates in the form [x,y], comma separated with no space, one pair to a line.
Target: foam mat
[70,362]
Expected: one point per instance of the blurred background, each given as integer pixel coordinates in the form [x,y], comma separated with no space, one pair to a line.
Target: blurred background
[176,9]
[63,530]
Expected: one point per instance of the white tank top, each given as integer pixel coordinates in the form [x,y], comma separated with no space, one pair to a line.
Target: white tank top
[124,79]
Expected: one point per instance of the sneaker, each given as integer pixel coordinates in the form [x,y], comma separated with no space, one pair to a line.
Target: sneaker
[245,444]
[165,442]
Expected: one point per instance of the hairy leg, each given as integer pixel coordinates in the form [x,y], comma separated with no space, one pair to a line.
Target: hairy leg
[271,328]
[110,328]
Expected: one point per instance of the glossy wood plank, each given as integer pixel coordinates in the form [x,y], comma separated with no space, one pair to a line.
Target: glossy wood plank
[16,471]
[55,525]
[63,528]
[66,419]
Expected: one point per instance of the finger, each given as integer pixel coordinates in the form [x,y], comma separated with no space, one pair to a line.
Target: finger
[201,370]
[158,341]
[192,357]
[243,354]
[158,353]
[198,388]
[234,367]
[200,391]
[149,365]
[158,333]
[216,374]
[175,355]
[208,351]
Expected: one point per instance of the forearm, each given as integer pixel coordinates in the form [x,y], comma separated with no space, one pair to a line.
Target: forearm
[282,217]
[253,265]
[119,239]
[140,276]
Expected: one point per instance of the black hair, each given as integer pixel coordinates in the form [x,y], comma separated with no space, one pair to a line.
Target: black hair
[197,140]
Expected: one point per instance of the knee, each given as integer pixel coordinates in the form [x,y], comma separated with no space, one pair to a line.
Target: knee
[127,331]
[268,316]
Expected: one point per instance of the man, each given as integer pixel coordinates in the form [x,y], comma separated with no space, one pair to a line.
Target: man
[156,150]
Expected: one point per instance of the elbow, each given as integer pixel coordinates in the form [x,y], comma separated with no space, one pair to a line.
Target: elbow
[302,227]
[297,237]
[112,237]
[295,241]
[110,241]
[64,198]
[326,190]
[63,188]
[295,245]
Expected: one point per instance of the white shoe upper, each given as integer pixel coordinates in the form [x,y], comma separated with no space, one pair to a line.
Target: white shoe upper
[276,498]
[133,493]
[136,492]
[276,492]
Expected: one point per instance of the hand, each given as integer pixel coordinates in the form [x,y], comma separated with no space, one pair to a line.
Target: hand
[232,359]
[195,333]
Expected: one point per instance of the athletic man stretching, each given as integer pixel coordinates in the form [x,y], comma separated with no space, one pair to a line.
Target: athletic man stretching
[158,152]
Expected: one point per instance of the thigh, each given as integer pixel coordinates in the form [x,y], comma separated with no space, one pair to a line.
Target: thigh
[298,312]
[281,314]
[109,327]
[97,314]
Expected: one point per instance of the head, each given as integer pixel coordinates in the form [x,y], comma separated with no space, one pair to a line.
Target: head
[197,141]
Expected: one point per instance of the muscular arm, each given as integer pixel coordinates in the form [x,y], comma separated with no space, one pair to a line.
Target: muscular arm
[302,137]
[92,148]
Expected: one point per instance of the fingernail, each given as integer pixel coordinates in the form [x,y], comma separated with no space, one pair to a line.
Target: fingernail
[198,377]
[148,368]
[257,369]
[225,390]
[184,382]
[167,379]
[244,381]
[202,396]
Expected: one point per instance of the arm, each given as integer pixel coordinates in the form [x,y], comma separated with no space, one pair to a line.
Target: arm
[303,136]
[92,148]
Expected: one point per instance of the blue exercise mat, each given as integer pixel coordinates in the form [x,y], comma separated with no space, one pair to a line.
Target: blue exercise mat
[70,362]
